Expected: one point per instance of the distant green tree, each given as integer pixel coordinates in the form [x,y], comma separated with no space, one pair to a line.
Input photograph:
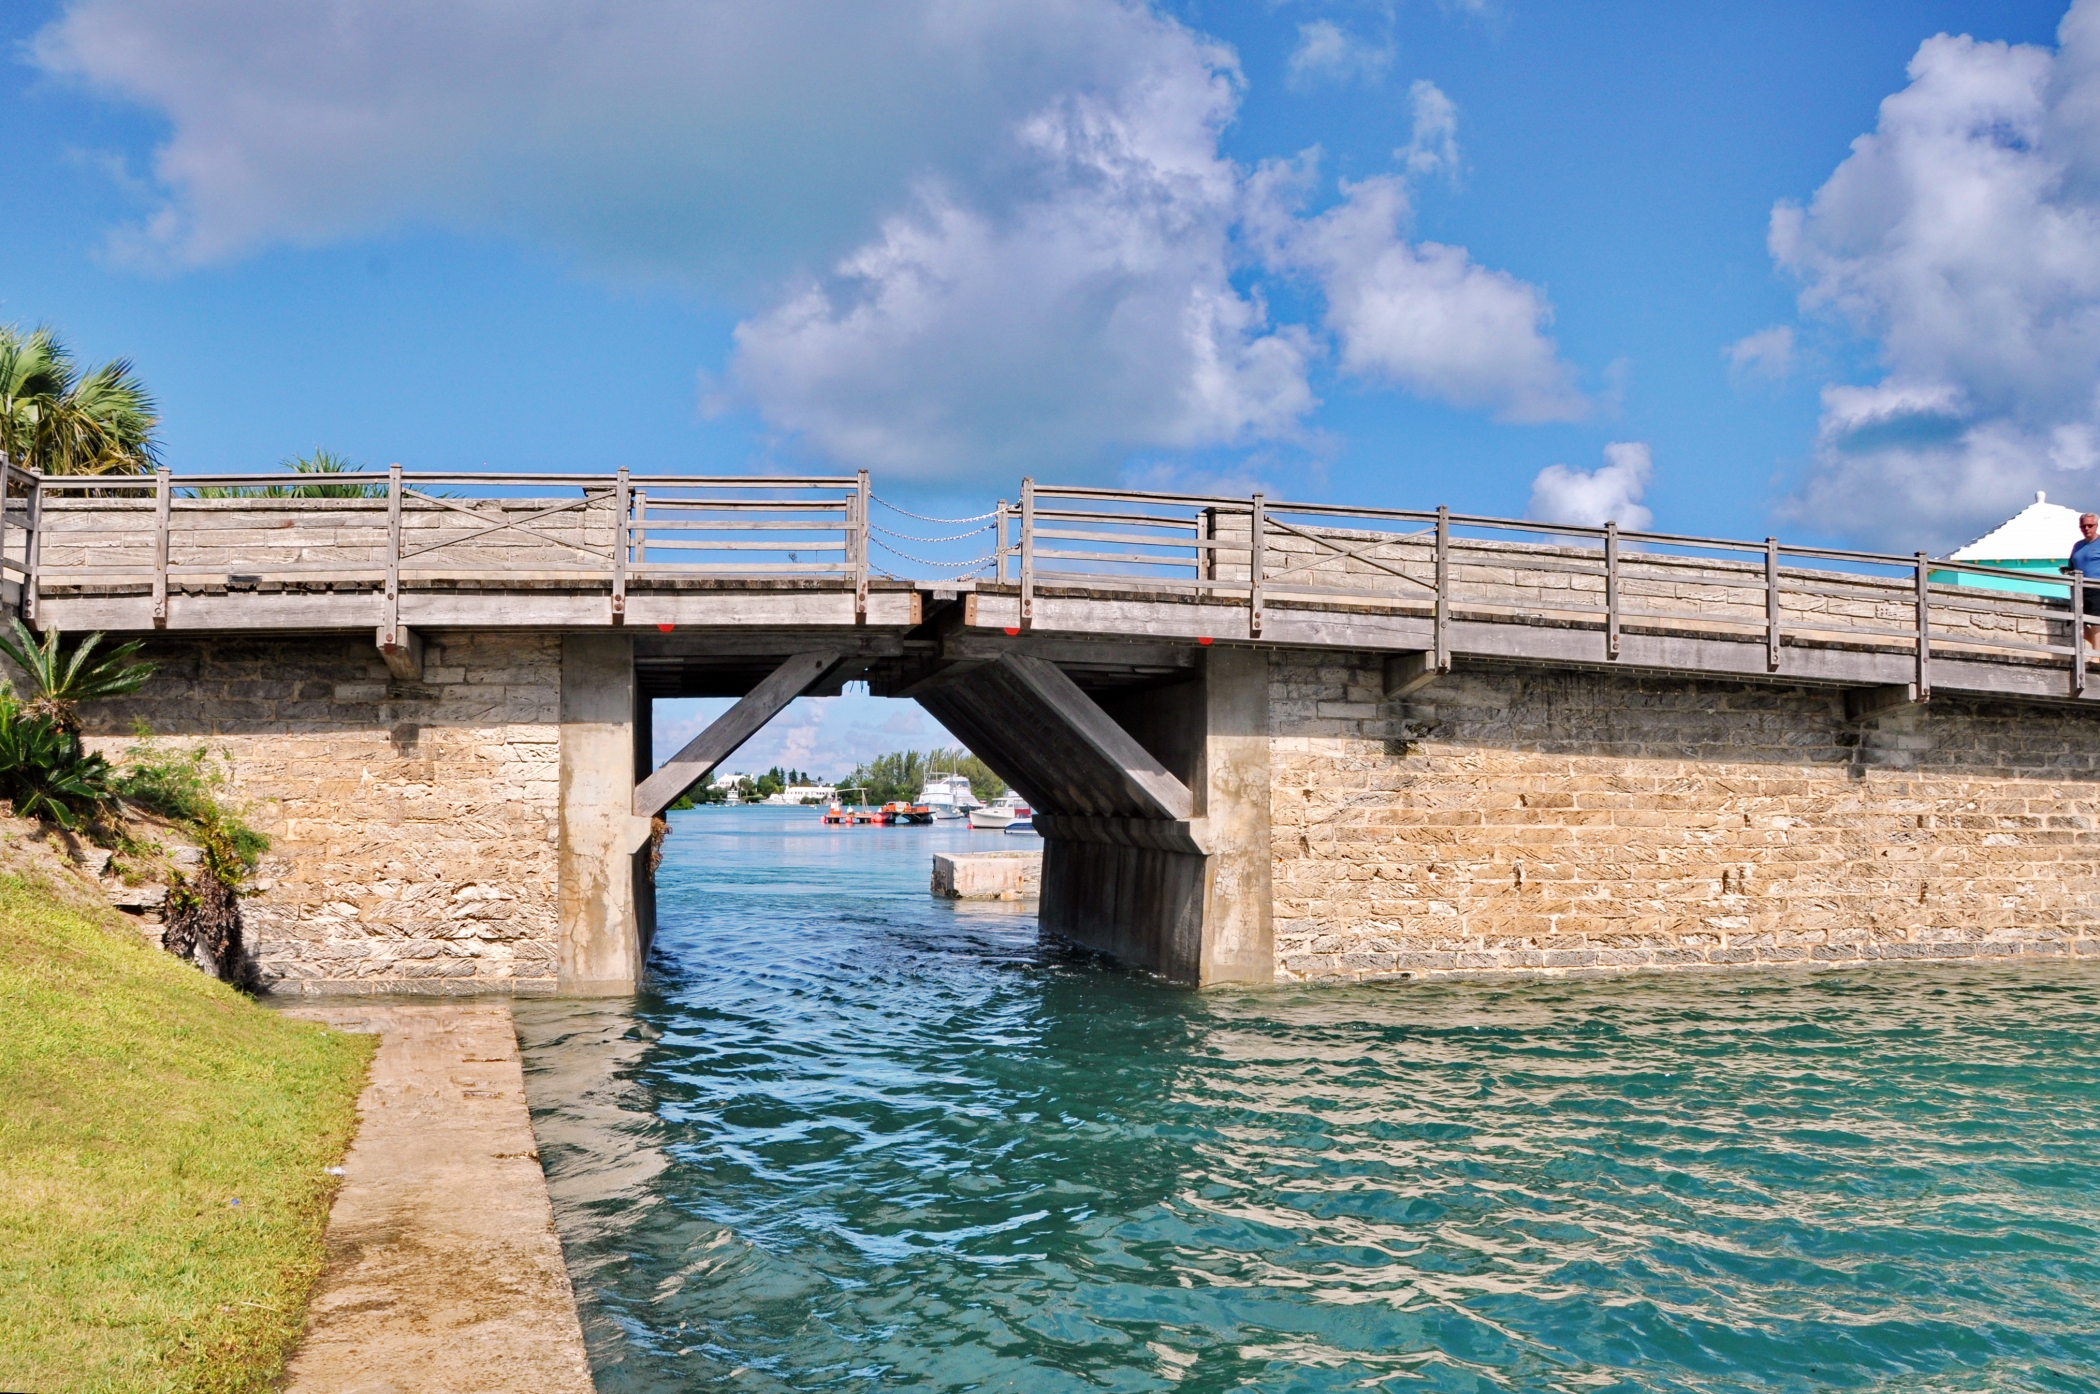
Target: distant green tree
[57,419]
[901,774]
[983,783]
[696,797]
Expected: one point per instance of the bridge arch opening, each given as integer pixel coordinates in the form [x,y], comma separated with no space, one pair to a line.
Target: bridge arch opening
[1146,764]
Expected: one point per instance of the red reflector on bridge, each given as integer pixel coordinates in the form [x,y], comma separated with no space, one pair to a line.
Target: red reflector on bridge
[666,628]
[1204,642]
[1013,629]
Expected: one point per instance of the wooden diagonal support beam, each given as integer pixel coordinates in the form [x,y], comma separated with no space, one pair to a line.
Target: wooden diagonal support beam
[1169,797]
[731,729]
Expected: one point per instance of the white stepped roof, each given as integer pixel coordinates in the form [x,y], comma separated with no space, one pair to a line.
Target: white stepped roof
[2038,532]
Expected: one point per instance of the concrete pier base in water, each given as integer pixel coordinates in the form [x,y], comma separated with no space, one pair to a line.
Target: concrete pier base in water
[987,875]
[1153,806]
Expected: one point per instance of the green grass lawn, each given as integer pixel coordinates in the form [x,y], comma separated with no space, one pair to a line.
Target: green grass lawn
[138,1100]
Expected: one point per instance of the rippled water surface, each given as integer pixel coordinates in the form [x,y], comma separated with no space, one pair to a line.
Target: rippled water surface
[859,1139]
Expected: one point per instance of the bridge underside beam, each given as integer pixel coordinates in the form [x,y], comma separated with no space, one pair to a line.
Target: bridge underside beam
[1154,809]
[731,729]
[1866,703]
[402,648]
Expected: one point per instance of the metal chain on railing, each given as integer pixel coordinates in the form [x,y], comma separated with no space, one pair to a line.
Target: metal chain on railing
[925,518]
[915,537]
[959,568]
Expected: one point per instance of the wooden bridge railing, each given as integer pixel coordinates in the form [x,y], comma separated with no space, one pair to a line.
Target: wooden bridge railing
[400,528]
[1258,553]
[383,532]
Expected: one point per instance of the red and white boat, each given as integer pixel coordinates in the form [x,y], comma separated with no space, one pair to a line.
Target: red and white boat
[1000,814]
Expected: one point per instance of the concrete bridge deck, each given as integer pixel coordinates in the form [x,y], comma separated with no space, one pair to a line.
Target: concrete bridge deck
[1138,664]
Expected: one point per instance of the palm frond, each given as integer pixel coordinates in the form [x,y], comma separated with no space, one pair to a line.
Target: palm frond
[58,420]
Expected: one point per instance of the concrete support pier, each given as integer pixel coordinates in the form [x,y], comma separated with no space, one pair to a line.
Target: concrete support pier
[606,898]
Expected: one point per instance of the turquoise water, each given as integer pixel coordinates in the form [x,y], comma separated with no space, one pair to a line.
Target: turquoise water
[856,1139]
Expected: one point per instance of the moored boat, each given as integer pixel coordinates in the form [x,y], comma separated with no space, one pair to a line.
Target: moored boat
[1000,814]
[948,795]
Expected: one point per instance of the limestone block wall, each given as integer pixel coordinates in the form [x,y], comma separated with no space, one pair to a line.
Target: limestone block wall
[414,826]
[1505,819]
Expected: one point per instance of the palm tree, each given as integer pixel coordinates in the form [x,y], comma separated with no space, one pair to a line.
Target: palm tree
[56,419]
[64,680]
[319,462]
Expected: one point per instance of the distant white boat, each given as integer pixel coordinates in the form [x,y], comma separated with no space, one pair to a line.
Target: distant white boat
[1001,813]
[948,795]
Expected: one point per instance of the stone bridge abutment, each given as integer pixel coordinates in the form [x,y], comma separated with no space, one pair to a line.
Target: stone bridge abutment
[1242,814]
[1264,740]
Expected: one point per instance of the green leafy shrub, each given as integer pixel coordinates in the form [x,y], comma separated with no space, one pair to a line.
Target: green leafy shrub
[45,772]
[187,787]
[65,678]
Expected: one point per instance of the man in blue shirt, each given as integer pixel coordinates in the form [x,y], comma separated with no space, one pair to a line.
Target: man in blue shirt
[2085,557]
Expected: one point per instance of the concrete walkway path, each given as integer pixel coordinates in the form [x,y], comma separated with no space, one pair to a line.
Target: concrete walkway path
[444,1273]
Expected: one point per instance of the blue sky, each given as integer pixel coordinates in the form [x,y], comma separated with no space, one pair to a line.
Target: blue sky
[1507,256]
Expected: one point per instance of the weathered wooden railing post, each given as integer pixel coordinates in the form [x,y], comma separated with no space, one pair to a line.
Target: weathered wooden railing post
[1257,564]
[2077,633]
[622,533]
[402,650]
[640,535]
[1772,604]
[1442,639]
[1924,678]
[861,503]
[999,543]
[163,506]
[1611,590]
[1028,553]
[32,560]
[390,624]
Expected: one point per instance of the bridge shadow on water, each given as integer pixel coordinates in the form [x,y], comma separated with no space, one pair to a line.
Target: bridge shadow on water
[853,1137]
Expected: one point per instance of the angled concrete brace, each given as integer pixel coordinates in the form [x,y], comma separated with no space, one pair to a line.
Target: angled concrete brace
[731,729]
[1049,739]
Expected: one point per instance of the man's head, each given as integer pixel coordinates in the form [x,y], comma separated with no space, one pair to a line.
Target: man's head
[2089,526]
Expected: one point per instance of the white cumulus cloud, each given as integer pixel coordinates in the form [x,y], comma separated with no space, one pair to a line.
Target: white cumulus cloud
[1962,237]
[1420,315]
[1768,354]
[959,236]
[1432,146]
[1610,493]
[1326,53]
[1100,311]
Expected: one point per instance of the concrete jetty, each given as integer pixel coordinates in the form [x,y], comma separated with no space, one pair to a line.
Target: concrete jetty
[445,1273]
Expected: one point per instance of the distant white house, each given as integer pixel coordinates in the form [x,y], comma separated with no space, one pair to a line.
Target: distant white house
[2038,538]
[804,793]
